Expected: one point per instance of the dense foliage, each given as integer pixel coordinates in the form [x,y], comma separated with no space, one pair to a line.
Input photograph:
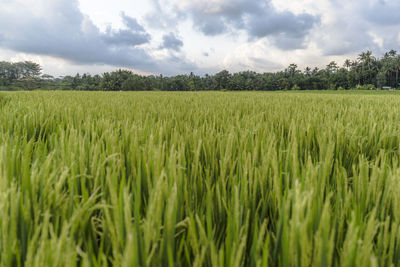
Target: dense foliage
[367,72]
[202,179]
[20,75]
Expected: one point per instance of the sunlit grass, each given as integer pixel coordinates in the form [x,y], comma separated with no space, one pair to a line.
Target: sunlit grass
[199,179]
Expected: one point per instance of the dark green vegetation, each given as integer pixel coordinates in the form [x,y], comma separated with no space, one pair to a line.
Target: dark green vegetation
[200,179]
[367,73]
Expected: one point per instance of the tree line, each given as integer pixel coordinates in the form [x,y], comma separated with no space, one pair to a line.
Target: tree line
[366,72]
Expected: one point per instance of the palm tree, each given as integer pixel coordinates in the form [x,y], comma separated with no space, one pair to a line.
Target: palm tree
[347,64]
[315,71]
[397,69]
[366,59]
[307,71]
[332,67]
[292,70]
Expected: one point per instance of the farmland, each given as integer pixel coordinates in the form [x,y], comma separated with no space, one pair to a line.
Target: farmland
[199,179]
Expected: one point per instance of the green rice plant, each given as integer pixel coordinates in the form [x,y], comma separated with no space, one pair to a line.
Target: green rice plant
[199,179]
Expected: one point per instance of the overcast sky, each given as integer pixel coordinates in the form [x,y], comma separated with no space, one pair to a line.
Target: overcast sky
[204,36]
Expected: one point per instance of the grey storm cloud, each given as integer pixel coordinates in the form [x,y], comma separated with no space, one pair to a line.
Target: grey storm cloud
[383,12]
[211,26]
[170,41]
[126,37]
[258,19]
[287,23]
[134,35]
[132,23]
[349,32]
[58,28]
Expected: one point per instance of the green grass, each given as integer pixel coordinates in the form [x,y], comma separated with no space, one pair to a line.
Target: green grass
[199,179]
[343,92]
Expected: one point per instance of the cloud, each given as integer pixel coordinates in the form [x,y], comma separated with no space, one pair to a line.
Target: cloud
[57,28]
[210,26]
[343,37]
[255,56]
[262,35]
[134,35]
[382,12]
[258,19]
[132,23]
[170,41]
[269,23]
[125,38]
[164,15]
[351,27]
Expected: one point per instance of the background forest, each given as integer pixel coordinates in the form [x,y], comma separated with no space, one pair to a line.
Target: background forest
[366,72]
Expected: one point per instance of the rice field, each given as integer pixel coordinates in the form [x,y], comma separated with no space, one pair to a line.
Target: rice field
[199,179]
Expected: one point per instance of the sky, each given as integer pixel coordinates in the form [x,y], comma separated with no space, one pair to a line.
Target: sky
[173,37]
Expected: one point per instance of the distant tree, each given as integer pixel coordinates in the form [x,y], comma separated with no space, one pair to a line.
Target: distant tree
[347,64]
[365,72]
[222,80]
[284,84]
[307,71]
[332,67]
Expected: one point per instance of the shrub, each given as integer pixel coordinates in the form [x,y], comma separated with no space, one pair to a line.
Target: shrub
[295,87]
